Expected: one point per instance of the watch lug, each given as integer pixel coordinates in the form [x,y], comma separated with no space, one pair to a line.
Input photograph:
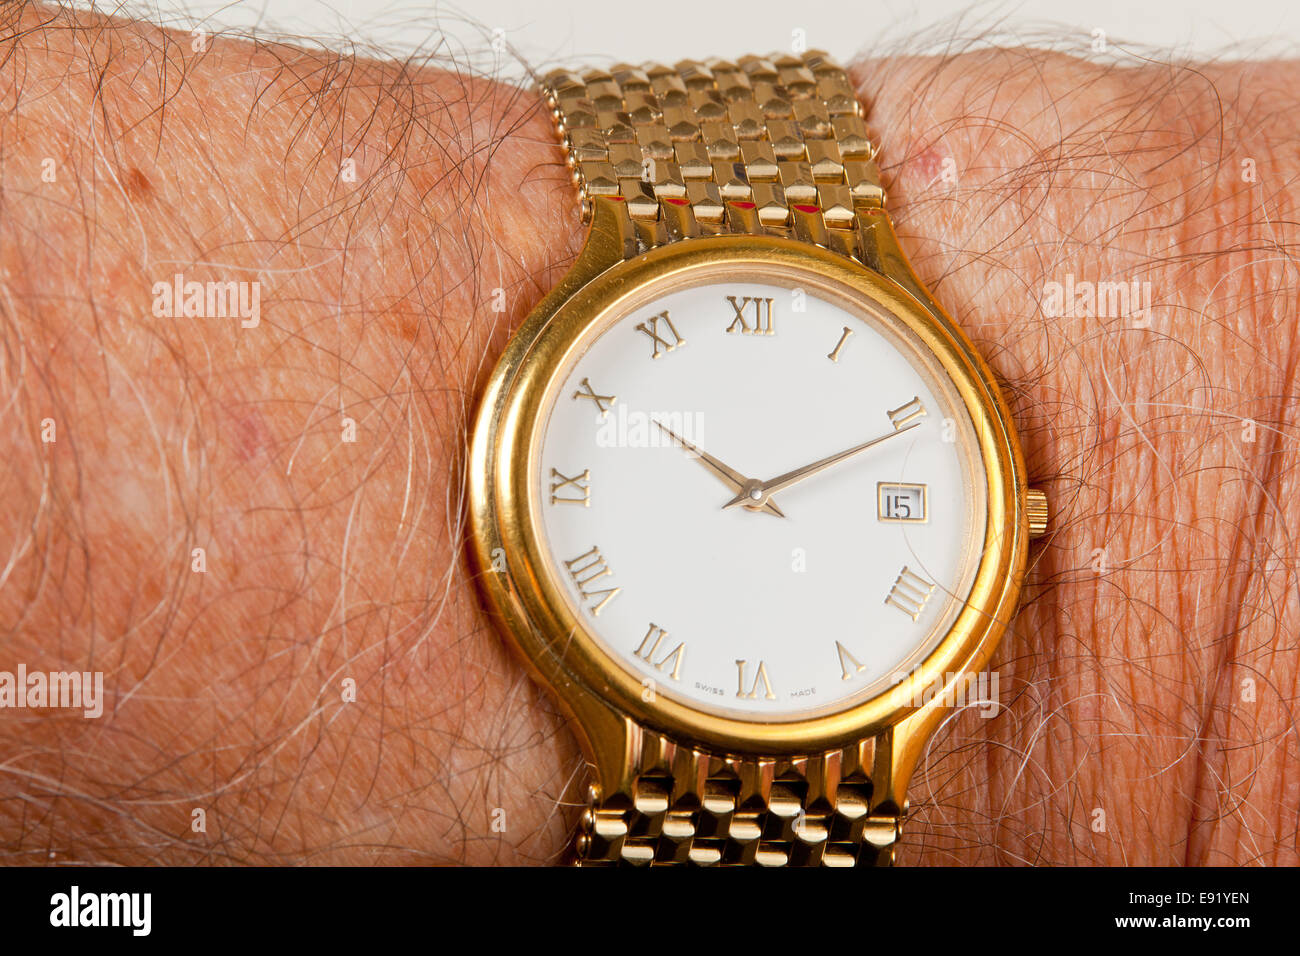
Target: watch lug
[604,247]
[898,751]
[609,240]
[606,737]
[882,253]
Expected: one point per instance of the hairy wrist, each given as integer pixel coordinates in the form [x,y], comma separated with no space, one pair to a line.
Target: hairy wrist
[251,527]
[1116,241]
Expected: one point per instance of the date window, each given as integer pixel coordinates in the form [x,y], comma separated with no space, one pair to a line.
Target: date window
[900,502]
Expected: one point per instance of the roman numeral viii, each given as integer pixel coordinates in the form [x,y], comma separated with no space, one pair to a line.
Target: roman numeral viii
[586,570]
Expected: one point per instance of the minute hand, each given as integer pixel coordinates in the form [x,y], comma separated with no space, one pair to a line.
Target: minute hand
[758,491]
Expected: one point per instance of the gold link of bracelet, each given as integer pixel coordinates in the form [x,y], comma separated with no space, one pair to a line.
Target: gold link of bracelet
[773,145]
[681,805]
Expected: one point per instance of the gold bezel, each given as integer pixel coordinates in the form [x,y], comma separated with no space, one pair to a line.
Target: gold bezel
[533,612]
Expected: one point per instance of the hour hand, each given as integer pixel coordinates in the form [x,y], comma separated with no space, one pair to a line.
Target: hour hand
[730,477]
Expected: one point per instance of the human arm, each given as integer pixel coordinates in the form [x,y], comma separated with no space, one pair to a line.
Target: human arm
[328,559]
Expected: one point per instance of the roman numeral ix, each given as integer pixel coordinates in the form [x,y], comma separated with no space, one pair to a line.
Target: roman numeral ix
[571,491]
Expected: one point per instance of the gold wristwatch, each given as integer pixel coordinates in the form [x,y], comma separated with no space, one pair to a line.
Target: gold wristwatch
[742,494]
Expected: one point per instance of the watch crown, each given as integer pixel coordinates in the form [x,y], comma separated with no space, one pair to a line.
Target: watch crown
[1036,509]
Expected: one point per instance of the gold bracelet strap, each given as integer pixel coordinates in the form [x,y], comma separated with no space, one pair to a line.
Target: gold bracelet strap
[680,805]
[775,146]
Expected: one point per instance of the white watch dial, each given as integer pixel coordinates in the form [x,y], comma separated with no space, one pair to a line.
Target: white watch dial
[760,501]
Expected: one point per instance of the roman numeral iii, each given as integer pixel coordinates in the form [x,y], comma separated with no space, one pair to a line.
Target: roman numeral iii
[910,592]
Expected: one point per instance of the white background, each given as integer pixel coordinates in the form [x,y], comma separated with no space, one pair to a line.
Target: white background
[547,33]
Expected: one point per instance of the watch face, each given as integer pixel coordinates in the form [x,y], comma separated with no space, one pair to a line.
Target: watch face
[763,499]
